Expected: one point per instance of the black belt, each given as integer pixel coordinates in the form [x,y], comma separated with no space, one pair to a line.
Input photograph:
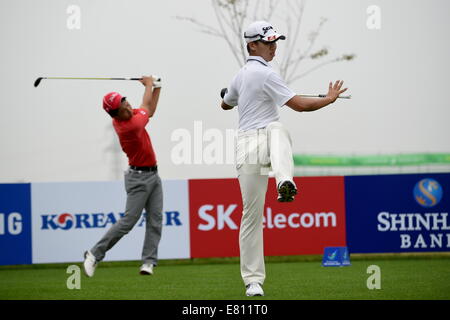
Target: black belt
[154,168]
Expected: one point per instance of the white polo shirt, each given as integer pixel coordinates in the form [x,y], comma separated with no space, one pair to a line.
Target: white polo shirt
[259,92]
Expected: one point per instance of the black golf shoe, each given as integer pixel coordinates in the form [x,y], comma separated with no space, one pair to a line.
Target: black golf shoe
[286,191]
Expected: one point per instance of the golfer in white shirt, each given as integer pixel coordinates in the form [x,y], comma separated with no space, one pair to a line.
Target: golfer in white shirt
[263,143]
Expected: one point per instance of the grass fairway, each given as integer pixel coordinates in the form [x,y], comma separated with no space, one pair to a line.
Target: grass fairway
[412,278]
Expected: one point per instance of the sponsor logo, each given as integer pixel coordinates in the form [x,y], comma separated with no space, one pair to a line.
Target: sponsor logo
[333,255]
[266,29]
[428,192]
[345,255]
[336,257]
[68,221]
[11,224]
[112,97]
[219,217]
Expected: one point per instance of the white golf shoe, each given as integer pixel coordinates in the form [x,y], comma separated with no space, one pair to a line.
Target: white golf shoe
[146,269]
[254,289]
[90,263]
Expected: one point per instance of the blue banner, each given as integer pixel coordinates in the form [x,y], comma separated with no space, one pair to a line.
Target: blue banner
[15,224]
[398,213]
[336,257]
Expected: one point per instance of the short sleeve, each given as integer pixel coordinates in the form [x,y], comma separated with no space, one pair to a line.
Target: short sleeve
[140,117]
[232,96]
[277,90]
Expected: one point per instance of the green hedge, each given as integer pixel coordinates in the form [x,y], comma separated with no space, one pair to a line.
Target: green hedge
[414,159]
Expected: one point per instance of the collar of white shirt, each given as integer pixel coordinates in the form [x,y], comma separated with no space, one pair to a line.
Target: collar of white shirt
[259,59]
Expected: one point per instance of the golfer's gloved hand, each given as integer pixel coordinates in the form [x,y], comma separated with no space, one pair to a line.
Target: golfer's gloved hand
[156,82]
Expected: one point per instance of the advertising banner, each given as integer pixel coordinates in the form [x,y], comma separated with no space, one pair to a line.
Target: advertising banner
[398,213]
[315,220]
[69,218]
[15,224]
[57,222]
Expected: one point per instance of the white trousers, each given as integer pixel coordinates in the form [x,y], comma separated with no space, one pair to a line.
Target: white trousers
[258,151]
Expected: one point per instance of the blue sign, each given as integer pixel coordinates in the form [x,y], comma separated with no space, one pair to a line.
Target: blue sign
[15,224]
[398,213]
[336,257]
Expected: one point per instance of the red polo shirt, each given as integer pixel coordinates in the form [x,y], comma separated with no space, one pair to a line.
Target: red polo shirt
[135,140]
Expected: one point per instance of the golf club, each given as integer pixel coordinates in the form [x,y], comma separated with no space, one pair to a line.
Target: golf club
[225,90]
[323,96]
[38,80]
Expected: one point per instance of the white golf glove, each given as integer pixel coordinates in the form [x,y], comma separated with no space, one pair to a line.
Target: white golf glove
[156,82]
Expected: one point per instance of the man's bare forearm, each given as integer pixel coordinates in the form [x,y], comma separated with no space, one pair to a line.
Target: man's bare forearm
[313,104]
[154,101]
[148,94]
[301,104]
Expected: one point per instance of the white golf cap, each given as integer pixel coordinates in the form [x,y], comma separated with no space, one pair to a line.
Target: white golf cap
[261,30]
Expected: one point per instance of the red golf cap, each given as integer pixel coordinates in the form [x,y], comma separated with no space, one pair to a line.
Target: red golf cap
[112,101]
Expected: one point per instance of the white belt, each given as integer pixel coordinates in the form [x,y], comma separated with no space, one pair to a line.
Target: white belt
[251,132]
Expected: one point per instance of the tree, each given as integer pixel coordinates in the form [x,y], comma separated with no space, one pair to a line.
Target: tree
[234,15]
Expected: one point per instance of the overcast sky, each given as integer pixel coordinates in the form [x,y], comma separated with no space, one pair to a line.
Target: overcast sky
[59,132]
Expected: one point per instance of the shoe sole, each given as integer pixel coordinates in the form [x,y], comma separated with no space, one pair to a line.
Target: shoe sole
[145,273]
[287,191]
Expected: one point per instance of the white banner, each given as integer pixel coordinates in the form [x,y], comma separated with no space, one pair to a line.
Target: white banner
[69,218]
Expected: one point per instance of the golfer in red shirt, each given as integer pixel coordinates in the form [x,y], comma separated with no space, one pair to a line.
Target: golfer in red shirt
[142,182]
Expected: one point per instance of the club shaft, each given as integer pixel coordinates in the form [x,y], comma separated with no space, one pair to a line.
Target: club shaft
[38,80]
[81,78]
[323,96]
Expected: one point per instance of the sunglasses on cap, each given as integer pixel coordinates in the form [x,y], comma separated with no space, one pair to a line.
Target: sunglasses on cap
[271,39]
